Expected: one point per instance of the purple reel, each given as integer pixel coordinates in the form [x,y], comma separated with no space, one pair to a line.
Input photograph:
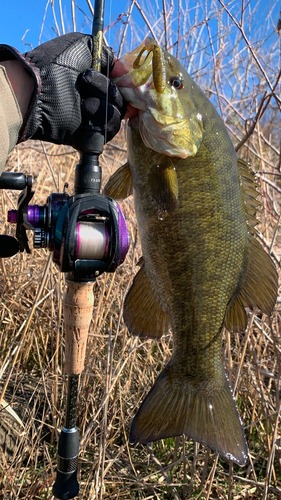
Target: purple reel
[124,240]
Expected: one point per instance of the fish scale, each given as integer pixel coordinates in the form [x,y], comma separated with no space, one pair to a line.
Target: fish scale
[195,205]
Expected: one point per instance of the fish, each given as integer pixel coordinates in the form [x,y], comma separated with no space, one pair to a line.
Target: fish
[202,266]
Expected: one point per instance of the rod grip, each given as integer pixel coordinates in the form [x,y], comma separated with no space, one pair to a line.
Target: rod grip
[78,310]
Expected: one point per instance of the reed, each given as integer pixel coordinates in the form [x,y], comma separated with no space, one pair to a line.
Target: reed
[234,54]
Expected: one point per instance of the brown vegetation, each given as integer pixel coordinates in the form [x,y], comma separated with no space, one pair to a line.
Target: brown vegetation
[243,79]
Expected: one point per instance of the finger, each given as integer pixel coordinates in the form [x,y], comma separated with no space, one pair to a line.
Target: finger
[99,112]
[94,84]
[107,60]
[131,112]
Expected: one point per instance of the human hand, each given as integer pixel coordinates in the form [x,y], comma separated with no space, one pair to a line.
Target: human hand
[102,102]
[120,70]
[56,112]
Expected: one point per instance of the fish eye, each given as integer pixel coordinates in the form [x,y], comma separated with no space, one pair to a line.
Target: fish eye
[176,82]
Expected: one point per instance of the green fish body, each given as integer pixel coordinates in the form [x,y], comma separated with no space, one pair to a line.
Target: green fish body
[201,266]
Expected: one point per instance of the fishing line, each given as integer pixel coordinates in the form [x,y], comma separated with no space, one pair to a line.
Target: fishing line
[92,240]
[107,74]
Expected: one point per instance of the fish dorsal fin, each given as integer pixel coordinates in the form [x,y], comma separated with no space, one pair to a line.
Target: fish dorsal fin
[143,314]
[120,184]
[257,287]
[250,193]
[164,186]
[258,282]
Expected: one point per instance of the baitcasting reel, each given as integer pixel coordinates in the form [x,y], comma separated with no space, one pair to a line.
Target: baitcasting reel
[86,232]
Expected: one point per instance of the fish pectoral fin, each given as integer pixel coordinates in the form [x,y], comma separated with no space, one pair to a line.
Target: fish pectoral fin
[143,314]
[206,412]
[120,184]
[164,186]
[257,287]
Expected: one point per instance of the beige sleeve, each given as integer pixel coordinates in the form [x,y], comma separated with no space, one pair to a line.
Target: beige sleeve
[10,118]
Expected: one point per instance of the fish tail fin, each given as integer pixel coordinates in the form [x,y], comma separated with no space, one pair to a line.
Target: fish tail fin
[204,411]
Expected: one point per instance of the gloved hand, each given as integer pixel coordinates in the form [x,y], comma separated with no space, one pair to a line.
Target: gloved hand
[101,101]
[61,96]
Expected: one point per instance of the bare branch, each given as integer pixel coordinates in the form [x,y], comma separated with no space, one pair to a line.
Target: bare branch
[277,98]
[146,21]
[165,23]
[126,27]
[261,109]
[90,7]
[73,15]
[61,18]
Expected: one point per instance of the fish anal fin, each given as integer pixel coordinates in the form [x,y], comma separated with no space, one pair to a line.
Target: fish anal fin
[143,314]
[260,281]
[120,184]
[178,405]
[235,317]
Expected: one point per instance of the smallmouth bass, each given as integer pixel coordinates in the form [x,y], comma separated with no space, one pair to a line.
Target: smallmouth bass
[195,205]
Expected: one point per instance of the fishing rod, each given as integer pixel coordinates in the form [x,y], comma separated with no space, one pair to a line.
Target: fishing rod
[87,235]
[79,299]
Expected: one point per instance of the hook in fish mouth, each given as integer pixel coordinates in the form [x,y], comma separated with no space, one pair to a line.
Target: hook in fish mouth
[158,63]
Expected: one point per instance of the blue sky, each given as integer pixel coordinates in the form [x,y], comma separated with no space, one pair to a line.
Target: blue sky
[17,16]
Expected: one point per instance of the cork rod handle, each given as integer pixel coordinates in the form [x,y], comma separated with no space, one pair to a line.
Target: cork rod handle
[78,310]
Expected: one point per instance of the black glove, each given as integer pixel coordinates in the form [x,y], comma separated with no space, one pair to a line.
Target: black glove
[55,112]
[102,102]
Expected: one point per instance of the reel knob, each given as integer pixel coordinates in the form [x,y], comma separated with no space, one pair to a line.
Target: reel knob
[9,246]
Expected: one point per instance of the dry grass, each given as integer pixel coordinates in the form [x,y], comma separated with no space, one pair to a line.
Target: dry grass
[119,369]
